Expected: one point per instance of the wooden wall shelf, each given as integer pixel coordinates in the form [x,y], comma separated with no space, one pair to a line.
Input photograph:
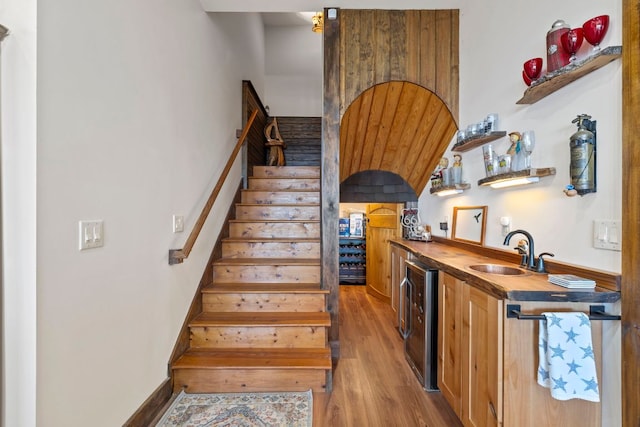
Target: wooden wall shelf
[551,82]
[476,141]
[527,173]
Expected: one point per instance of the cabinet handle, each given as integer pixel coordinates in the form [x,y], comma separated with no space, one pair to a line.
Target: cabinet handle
[404,331]
[493,410]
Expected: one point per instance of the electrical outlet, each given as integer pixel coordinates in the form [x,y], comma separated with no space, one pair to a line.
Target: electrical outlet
[444,226]
[505,222]
[178,223]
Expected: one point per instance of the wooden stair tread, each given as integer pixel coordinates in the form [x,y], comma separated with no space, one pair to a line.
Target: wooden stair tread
[276,190]
[257,358]
[256,319]
[277,221]
[261,288]
[309,176]
[285,177]
[267,261]
[271,240]
[279,205]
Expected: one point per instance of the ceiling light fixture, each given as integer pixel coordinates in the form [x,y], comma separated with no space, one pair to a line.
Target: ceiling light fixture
[318,22]
[515,181]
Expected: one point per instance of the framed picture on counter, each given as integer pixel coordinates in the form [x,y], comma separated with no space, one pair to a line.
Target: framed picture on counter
[469,223]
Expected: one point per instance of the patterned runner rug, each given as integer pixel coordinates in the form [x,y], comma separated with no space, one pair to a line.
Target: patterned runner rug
[290,409]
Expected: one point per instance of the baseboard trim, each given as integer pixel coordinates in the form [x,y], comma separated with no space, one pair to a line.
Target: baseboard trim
[152,407]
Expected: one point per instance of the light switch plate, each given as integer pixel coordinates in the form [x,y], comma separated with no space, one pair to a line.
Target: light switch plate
[178,223]
[607,234]
[90,234]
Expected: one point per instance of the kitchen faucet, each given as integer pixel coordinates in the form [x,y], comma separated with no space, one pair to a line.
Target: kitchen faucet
[531,257]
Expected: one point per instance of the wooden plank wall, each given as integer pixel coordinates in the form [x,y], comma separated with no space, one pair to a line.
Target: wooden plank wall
[364,48]
[631,214]
[398,127]
[417,46]
[302,135]
[330,196]
[255,153]
[398,91]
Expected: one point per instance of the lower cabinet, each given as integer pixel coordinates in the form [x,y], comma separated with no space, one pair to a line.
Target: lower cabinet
[481,358]
[469,352]
[487,364]
[520,381]
[450,340]
[398,257]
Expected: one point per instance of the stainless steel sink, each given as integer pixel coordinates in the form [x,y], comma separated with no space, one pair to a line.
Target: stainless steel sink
[504,270]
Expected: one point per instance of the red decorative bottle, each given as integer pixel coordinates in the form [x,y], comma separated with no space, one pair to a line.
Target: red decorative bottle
[557,57]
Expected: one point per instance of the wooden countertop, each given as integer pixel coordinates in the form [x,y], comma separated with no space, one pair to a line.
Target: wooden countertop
[532,286]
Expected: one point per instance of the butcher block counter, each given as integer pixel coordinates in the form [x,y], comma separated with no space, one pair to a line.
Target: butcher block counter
[455,258]
[487,358]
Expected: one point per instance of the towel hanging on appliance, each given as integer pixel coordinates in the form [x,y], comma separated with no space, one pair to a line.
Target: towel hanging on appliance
[566,363]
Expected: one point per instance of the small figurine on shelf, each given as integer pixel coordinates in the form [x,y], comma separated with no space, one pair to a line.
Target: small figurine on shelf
[440,175]
[515,151]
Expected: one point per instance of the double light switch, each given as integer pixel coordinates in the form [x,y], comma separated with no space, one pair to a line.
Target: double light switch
[91,234]
[607,235]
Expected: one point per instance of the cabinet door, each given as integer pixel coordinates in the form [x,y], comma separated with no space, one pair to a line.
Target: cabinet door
[481,359]
[396,276]
[449,340]
[520,378]
[398,257]
[383,224]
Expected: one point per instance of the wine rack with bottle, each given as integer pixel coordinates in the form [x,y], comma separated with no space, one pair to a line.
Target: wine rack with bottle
[353,260]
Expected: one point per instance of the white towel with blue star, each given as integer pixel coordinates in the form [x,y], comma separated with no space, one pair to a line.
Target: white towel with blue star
[566,363]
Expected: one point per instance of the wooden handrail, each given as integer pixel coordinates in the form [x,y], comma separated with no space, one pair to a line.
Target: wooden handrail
[176,256]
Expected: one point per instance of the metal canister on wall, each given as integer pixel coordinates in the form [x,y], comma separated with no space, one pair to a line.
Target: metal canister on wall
[583,155]
[557,57]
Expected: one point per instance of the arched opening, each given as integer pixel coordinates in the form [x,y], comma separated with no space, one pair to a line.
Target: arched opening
[398,127]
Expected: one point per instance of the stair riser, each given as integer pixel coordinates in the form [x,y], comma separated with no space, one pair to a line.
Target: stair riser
[277,212]
[284,184]
[259,230]
[248,380]
[280,197]
[286,171]
[252,302]
[266,273]
[258,337]
[271,250]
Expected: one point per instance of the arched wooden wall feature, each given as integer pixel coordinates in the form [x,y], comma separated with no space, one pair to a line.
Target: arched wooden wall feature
[418,46]
[398,127]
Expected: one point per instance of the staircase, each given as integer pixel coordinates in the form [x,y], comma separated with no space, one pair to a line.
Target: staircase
[263,325]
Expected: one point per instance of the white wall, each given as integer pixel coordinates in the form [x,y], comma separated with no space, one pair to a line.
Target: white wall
[490,81]
[496,37]
[293,67]
[19,212]
[138,106]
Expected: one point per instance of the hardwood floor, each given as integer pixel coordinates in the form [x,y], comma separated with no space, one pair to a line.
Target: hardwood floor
[372,384]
